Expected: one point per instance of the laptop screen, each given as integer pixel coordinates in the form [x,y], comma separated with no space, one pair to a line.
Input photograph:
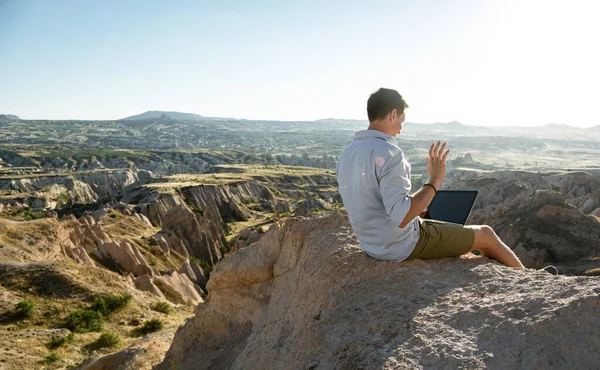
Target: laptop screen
[452,205]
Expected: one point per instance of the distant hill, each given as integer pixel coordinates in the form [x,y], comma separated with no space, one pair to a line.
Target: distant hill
[594,128]
[454,125]
[6,117]
[557,126]
[152,114]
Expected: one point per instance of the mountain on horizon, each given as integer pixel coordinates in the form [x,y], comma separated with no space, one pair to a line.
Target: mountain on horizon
[153,114]
[558,126]
[454,125]
[5,117]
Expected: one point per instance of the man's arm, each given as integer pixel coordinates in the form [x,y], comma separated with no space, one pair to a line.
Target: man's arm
[436,166]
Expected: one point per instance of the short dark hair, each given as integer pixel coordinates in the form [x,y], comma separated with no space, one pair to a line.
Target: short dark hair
[382,102]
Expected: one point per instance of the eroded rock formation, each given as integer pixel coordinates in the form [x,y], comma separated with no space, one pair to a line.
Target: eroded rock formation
[307,297]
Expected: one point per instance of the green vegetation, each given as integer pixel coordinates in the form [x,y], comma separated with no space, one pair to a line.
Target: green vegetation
[25,309]
[56,341]
[205,266]
[90,319]
[107,340]
[109,304]
[162,307]
[150,326]
[225,248]
[28,214]
[316,211]
[83,321]
[336,205]
[51,358]
[193,206]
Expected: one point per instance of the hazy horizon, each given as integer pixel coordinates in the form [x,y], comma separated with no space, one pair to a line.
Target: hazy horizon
[492,63]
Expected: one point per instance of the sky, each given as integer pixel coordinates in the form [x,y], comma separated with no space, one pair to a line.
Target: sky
[479,62]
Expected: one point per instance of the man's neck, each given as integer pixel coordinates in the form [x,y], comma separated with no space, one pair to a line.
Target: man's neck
[378,128]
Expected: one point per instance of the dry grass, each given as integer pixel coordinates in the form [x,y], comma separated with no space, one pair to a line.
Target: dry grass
[33,268]
[239,172]
[26,342]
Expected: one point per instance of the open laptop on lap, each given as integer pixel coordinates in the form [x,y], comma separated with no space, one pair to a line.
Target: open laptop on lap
[452,206]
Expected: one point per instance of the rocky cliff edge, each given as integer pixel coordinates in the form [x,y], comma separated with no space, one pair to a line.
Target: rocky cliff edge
[307,297]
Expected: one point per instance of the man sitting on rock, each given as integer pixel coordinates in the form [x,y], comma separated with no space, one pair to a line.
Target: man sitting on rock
[374,182]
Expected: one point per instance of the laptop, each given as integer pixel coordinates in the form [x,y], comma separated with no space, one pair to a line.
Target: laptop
[452,206]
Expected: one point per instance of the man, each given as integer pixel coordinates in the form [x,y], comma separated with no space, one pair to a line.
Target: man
[374,182]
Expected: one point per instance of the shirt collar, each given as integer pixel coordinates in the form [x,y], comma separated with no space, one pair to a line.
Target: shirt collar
[374,133]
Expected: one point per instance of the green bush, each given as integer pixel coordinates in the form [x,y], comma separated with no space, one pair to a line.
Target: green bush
[163,307]
[56,342]
[51,358]
[83,321]
[151,326]
[225,248]
[25,309]
[29,214]
[206,267]
[107,340]
[109,304]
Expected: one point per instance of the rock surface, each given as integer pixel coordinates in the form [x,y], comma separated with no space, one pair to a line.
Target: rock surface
[141,355]
[542,216]
[307,297]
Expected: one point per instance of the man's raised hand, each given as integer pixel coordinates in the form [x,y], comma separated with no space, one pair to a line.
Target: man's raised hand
[436,163]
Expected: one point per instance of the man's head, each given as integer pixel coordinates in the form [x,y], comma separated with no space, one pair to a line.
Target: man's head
[385,109]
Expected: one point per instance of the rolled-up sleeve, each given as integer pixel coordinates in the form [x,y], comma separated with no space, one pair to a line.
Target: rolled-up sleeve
[394,184]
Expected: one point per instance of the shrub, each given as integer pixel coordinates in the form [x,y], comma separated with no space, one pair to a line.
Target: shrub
[51,358]
[109,304]
[83,321]
[29,214]
[25,309]
[151,326]
[107,340]
[56,342]
[206,267]
[162,307]
[225,248]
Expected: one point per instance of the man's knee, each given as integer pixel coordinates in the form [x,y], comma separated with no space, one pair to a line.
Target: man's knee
[484,237]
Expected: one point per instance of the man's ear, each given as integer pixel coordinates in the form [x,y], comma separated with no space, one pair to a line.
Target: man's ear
[393,114]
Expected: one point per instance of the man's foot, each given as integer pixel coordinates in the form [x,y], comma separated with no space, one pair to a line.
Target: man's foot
[550,269]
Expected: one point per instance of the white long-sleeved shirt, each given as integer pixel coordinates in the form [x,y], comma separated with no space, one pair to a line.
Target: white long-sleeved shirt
[374,182]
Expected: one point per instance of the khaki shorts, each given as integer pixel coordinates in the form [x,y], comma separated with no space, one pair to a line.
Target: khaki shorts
[440,239]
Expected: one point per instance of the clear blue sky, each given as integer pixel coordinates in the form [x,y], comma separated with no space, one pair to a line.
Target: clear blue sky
[482,62]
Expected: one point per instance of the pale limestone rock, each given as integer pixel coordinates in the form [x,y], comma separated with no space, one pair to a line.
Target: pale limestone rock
[142,355]
[328,305]
[182,284]
[127,256]
[145,283]
[549,211]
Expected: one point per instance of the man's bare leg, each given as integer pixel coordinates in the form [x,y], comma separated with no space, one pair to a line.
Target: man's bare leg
[488,243]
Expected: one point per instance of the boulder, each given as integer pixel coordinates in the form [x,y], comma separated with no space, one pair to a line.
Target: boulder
[307,297]
[307,206]
[142,355]
[182,285]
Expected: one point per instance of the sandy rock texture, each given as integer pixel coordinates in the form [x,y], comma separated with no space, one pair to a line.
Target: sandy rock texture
[547,218]
[141,355]
[307,297]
